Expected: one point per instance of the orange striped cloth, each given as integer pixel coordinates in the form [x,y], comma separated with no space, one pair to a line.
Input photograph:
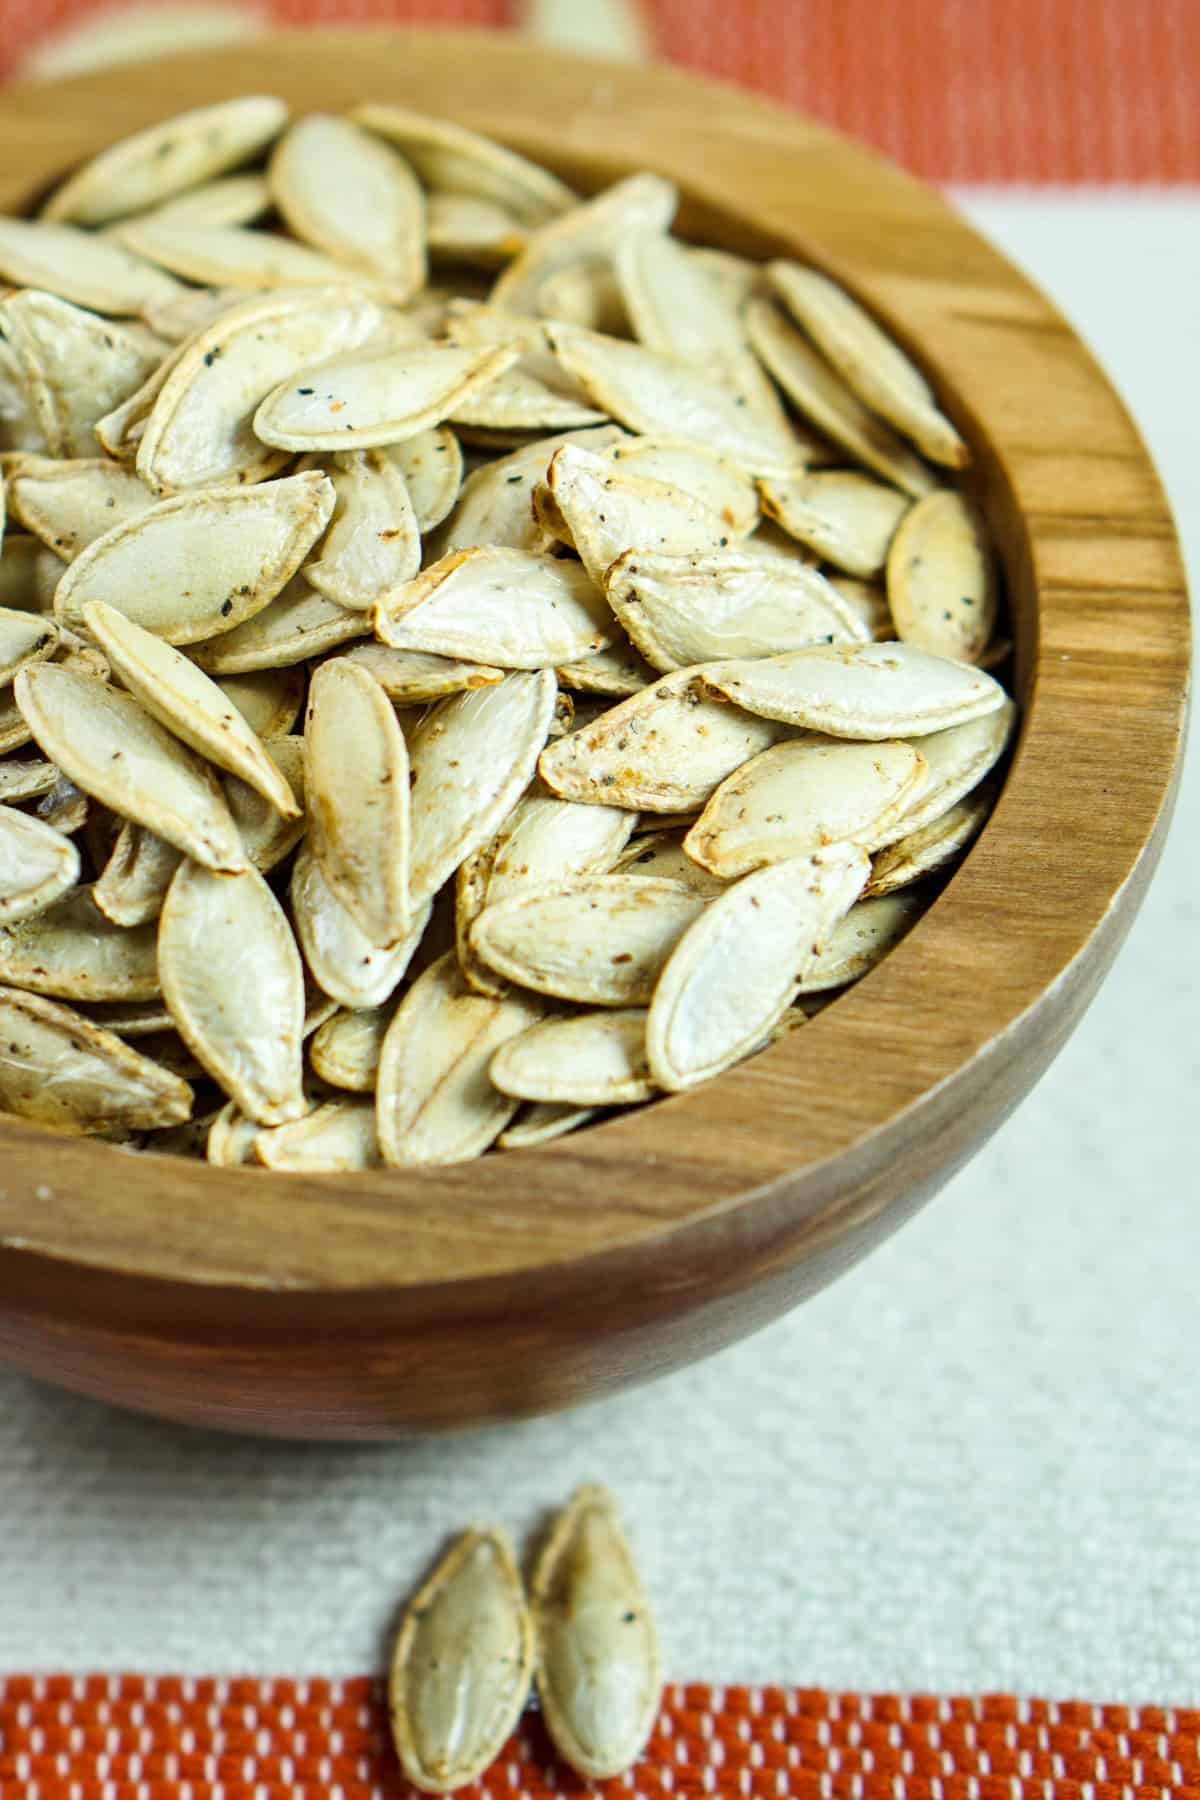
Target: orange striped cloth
[957,90]
[135,1737]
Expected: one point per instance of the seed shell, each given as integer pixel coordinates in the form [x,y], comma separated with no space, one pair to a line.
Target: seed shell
[87,270]
[343,962]
[941,579]
[24,638]
[68,505]
[461,228]
[431,463]
[297,625]
[333,1139]
[509,608]
[958,759]
[860,940]
[587,234]
[351,196]
[847,519]
[59,1069]
[597,1648]
[134,881]
[71,950]
[230,200]
[450,159]
[921,852]
[269,699]
[589,1059]
[37,865]
[410,677]
[25,779]
[372,543]
[739,967]
[345,1050]
[606,509]
[234,983]
[77,367]
[541,1124]
[494,506]
[705,473]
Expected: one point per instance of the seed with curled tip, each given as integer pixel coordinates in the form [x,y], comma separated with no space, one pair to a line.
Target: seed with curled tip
[738,968]
[111,748]
[597,1648]
[462,1664]
[37,865]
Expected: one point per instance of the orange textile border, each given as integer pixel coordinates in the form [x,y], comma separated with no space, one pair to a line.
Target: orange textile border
[142,1737]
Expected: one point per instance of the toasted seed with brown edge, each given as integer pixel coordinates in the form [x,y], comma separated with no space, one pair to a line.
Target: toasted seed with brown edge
[59,1069]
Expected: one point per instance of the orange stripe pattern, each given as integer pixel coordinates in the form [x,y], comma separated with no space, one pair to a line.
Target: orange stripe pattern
[145,1737]
[957,90]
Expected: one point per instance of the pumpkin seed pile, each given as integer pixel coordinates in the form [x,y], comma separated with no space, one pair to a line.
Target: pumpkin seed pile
[439,709]
[470,1643]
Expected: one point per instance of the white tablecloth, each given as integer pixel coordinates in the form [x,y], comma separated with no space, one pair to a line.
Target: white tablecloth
[973,1464]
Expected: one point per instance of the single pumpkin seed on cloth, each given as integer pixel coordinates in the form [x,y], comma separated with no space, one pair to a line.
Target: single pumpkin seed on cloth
[858,690]
[332,1139]
[154,165]
[68,505]
[358,798]
[351,196]
[71,950]
[187,702]
[37,865]
[739,967]
[298,624]
[470,760]
[597,1647]
[599,939]
[198,565]
[462,1664]
[681,610]
[77,266]
[111,748]
[24,638]
[77,366]
[372,542]
[941,579]
[357,401]
[797,797]
[345,963]
[450,159]
[234,983]
[199,431]
[868,361]
[860,940]
[59,1069]
[819,393]
[664,750]
[509,608]
[931,847]
[409,677]
[847,519]
[588,1059]
[434,1100]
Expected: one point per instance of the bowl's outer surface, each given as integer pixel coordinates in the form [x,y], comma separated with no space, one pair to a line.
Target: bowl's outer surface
[418,1302]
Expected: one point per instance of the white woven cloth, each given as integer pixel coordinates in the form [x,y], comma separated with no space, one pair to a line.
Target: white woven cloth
[973,1464]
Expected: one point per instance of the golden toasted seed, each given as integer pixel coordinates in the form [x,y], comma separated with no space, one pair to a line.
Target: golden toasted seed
[590,1059]
[932,847]
[847,519]
[541,1124]
[268,699]
[298,624]
[616,673]
[372,543]
[342,190]
[494,506]
[77,266]
[357,401]
[24,638]
[76,366]
[599,939]
[37,865]
[471,759]
[664,750]
[819,392]
[199,431]
[589,233]
[190,705]
[432,466]
[25,778]
[661,854]
[597,1648]
[198,565]
[231,1139]
[449,158]
[502,606]
[860,940]
[111,748]
[232,977]
[704,472]
[71,950]
[958,759]
[345,1049]
[358,798]
[134,881]
[411,676]
[738,968]
[868,361]
[941,579]
[343,962]
[664,396]
[858,690]
[434,1100]
[153,165]
[797,797]
[230,200]
[70,504]
[58,1068]
[332,1139]
[681,610]
[462,228]
[461,1665]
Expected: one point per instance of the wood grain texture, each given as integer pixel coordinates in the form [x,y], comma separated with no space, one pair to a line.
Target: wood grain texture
[402,1303]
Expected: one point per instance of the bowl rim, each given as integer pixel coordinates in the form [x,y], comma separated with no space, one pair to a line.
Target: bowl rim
[1101,616]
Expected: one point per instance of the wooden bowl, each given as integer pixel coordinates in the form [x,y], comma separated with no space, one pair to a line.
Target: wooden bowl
[404,1303]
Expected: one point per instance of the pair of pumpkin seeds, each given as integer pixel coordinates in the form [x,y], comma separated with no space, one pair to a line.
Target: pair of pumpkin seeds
[435,717]
[470,1643]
